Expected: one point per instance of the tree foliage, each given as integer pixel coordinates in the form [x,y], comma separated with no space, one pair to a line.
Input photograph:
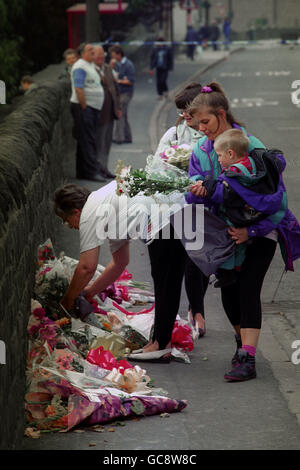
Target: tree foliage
[146,12]
[45,32]
[10,44]
[34,33]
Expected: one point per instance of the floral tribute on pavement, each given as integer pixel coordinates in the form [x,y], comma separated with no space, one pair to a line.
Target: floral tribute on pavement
[77,369]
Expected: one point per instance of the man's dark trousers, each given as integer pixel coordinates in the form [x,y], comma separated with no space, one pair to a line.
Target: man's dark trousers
[85,124]
[161,81]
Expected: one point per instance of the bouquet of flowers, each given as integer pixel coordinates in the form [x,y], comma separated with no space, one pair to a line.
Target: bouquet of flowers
[178,155]
[159,176]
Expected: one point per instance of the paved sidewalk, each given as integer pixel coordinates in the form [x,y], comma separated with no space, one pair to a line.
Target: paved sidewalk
[259,414]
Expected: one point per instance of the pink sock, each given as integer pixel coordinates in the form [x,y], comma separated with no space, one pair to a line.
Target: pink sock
[250,349]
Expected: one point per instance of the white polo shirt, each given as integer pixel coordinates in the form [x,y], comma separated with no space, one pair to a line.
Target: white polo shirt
[93,90]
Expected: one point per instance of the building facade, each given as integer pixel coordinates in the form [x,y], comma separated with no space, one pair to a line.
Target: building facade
[258,15]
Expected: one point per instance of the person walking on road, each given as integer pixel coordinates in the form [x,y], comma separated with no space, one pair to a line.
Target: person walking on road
[86,103]
[204,33]
[227,33]
[241,300]
[162,61]
[214,34]
[191,36]
[110,111]
[125,81]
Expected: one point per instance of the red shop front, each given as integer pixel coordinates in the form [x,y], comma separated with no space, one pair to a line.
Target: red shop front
[76,19]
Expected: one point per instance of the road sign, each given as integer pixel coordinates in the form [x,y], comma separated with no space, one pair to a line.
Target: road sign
[189,4]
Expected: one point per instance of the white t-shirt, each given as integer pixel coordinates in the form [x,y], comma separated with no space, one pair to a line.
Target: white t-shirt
[100,208]
[106,215]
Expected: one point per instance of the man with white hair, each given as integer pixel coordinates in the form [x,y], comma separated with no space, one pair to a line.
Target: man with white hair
[110,111]
[86,103]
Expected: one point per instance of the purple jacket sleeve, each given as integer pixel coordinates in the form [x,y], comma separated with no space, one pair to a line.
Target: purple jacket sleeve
[195,170]
[195,174]
[214,189]
[260,229]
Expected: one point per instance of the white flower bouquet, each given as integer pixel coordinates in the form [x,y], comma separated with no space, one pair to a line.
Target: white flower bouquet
[178,155]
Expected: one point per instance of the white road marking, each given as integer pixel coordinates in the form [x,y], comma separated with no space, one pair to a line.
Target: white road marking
[250,102]
[263,73]
[288,128]
[129,150]
[231,74]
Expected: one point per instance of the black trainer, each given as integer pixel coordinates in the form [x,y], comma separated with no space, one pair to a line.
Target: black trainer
[244,370]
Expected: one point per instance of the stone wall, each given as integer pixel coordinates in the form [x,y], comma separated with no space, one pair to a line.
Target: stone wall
[32,143]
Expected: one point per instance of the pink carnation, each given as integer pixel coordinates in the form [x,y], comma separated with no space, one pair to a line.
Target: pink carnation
[33,329]
[48,333]
[46,270]
[39,313]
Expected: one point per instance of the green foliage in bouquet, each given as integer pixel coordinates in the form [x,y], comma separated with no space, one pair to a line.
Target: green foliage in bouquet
[49,290]
[131,182]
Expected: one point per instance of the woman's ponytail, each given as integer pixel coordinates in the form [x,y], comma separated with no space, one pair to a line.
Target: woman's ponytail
[213,97]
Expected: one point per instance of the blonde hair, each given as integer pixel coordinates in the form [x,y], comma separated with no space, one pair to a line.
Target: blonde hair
[233,139]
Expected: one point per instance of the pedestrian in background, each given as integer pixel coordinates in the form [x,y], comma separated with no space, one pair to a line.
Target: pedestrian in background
[70,57]
[86,103]
[227,33]
[191,36]
[126,79]
[204,33]
[214,34]
[28,84]
[110,111]
[162,61]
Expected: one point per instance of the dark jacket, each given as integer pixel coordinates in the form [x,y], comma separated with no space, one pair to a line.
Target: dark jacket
[269,165]
[126,69]
[267,196]
[111,103]
[192,35]
[204,33]
[226,28]
[161,58]
[214,32]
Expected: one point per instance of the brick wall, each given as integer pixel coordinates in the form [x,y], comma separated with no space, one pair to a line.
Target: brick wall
[32,143]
